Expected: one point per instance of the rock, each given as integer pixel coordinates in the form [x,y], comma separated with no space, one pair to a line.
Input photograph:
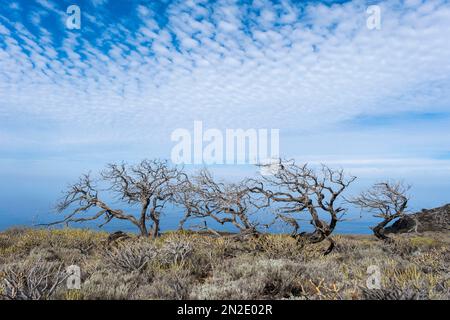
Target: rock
[118,235]
[437,219]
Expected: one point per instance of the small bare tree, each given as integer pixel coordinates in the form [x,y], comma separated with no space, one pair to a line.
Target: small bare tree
[148,185]
[203,197]
[300,189]
[386,200]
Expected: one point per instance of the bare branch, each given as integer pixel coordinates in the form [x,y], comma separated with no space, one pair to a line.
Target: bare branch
[300,189]
[149,185]
[387,200]
[225,203]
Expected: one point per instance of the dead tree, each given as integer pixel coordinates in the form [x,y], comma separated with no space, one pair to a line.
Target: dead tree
[147,185]
[299,189]
[386,200]
[225,203]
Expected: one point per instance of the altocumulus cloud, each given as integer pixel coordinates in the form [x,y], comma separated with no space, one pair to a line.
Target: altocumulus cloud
[137,70]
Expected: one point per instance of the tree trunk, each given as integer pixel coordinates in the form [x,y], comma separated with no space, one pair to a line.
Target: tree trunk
[378,230]
[155,229]
[142,219]
[154,216]
[331,246]
[143,228]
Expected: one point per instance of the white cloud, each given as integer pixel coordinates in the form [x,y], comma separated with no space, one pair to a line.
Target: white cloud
[14,6]
[47,4]
[281,66]
[97,3]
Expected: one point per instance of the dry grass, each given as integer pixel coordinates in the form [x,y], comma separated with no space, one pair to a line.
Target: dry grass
[184,265]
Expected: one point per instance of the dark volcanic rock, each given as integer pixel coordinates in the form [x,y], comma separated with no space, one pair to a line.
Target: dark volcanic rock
[118,235]
[437,219]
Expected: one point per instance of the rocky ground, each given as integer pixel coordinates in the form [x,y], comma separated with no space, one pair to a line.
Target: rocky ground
[437,219]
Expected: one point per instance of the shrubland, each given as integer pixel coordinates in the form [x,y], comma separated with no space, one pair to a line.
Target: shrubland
[193,265]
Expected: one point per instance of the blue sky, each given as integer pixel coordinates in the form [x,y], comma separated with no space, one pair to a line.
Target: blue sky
[376,102]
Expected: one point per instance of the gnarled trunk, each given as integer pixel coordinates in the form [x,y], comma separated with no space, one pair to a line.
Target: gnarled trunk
[378,230]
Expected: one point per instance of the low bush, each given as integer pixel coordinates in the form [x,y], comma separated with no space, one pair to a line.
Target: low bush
[186,265]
